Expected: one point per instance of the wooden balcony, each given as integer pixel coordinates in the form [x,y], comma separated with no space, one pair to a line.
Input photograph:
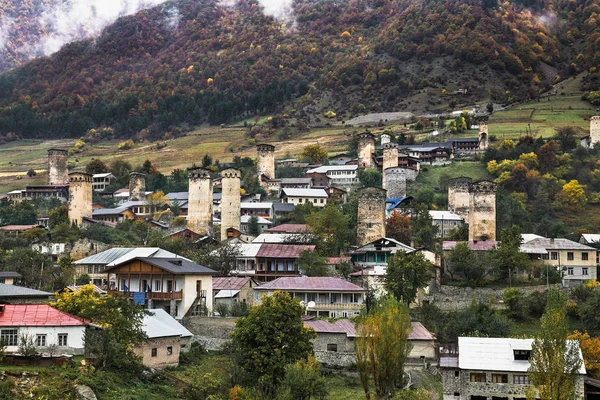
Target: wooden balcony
[337,306]
[154,295]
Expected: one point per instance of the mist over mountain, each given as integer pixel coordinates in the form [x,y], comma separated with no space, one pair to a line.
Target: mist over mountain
[194,61]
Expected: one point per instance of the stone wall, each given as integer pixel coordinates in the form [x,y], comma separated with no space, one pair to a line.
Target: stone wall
[395,179]
[137,186]
[371,215]
[482,213]
[211,332]
[230,201]
[58,173]
[451,298]
[80,197]
[390,160]
[366,148]
[86,247]
[265,160]
[458,196]
[594,130]
[200,201]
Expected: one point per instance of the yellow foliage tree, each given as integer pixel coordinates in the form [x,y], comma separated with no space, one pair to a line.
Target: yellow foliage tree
[573,195]
[529,159]
[346,35]
[590,348]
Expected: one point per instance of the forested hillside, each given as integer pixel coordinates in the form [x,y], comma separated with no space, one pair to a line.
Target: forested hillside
[188,62]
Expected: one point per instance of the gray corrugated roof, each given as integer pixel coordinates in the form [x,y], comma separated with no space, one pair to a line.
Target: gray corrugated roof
[19,291]
[557,244]
[177,266]
[283,207]
[9,274]
[161,324]
[106,256]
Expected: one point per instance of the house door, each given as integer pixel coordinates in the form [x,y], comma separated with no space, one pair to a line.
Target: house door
[145,287]
[169,286]
[198,288]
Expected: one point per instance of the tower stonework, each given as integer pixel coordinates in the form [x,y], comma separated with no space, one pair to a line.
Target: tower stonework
[137,186]
[594,130]
[80,197]
[265,160]
[366,147]
[483,136]
[230,201]
[482,215]
[371,215]
[395,178]
[385,138]
[459,197]
[390,160]
[58,173]
[200,200]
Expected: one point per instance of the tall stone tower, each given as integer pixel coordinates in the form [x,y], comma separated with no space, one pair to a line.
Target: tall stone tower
[395,178]
[385,138]
[265,154]
[200,200]
[230,201]
[58,173]
[483,135]
[594,130]
[459,197]
[366,147]
[80,197]
[482,215]
[137,186]
[390,160]
[371,215]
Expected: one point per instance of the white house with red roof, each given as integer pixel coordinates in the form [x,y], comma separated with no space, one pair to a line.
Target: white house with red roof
[46,325]
[323,296]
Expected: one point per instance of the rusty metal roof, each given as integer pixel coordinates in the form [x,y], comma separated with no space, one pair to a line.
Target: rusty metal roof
[418,331]
[478,245]
[312,283]
[273,250]
[229,283]
[289,228]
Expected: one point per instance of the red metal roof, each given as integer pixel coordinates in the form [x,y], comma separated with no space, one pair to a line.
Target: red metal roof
[337,260]
[37,315]
[289,228]
[17,227]
[313,283]
[478,245]
[272,250]
[229,283]
[418,331]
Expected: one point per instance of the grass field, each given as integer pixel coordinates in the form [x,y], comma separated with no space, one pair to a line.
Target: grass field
[430,179]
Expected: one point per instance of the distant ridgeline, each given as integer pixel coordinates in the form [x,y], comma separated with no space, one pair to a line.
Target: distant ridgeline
[189,62]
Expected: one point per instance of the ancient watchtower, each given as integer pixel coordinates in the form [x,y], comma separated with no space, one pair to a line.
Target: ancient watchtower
[230,201]
[395,179]
[482,214]
[371,215]
[594,130]
[57,167]
[265,154]
[390,160]
[137,186]
[80,197]
[366,147]
[200,200]
[459,197]
[385,138]
[483,135]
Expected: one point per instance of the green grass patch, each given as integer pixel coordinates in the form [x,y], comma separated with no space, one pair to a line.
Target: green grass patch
[343,387]
[430,179]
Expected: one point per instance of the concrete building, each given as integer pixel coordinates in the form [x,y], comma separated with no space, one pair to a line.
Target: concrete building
[80,197]
[58,173]
[317,197]
[265,160]
[230,203]
[445,221]
[339,175]
[259,209]
[482,211]
[390,160]
[395,182]
[200,201]
[102,181]
[371,215]
[137,186]
[9,277]
[492,368]
[366,148]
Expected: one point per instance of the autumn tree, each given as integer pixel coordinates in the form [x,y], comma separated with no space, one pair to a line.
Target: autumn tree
[304,381]
[555,362]
[59,215]
[590,348]
[547,156]
[382,347]
[96,166]
[314,154]
[465,263]
[332,227]
[573,195]
[398,227]
[311,263]
[406,273]
[269,338]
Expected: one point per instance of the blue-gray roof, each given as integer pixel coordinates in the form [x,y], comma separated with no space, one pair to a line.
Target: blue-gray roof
[160,324]
[19,291]
[106,256]
[174,265]
[9,274]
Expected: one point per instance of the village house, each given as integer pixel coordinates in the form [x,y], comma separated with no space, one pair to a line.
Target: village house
[264,210]
[39,192]
[17,230]
[288,228]
[9,277]
[491,368]
[377,252]
[174,284]
[245,257]
[287,238]
[281,211]
[275,260]
[46,325]
[231,289]
[431,154]
[445,221]
[167,339]
[263,224]
[317,197]
[340,159]
[328,297]
[128,210]
[13,294]
[319,180]
[102,181]
[340,175]
[298,183]
[52,250]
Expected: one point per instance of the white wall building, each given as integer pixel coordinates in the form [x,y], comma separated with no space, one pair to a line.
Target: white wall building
[340,175]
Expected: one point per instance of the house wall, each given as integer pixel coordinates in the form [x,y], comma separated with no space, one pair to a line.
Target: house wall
[574,268]
[316,201]
[162,359]
[189,292]
[75,342]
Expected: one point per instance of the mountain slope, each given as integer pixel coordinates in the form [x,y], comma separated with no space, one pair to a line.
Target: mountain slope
[187,62]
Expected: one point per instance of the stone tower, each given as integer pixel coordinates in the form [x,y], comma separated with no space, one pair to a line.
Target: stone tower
[137,186]
[390,160]
[395,178]
[385,138]
[594,130]
[58,173]
[366,147]
[230,201]
[482,215]
[371,215]
[80,197]
[483,135]
[200,200]
[265,164]
[459,197]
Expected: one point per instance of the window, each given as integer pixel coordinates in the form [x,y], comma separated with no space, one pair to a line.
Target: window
[554,255]
[170,350]
[521,379]
[9,336]
[62,339]
[332,347]
[545,256]
[499,378]
[584,256]
[40,340]
[157,285]
[456,374]
[584,271]
[154,352]
[321,201]
[477,377]
[570,271]
[169,286]
[522,354]
[570,256]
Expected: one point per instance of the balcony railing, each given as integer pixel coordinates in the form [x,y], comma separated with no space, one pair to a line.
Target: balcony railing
[338,306]
[154,295]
